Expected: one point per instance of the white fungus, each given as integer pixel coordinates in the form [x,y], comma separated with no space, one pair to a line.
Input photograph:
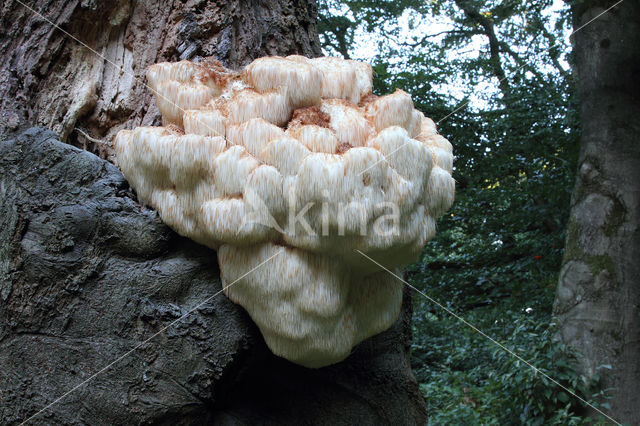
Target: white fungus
[294,158]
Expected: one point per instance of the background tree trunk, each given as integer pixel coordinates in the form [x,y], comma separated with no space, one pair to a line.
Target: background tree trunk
[87,274]
[598,299]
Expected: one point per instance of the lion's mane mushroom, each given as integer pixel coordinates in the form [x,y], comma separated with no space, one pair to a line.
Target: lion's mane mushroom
[294,163]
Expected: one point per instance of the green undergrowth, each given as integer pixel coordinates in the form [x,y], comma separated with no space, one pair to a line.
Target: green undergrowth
[496,267]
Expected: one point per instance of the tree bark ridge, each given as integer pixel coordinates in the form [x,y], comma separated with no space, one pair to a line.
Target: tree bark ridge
[598,296]
[52,80]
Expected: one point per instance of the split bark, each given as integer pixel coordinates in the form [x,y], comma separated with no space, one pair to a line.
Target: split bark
[50,79]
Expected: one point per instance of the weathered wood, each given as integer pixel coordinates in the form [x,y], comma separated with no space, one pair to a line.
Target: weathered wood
[49,79]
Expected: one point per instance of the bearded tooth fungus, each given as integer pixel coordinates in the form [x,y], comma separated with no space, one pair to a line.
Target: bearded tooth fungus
[294,163]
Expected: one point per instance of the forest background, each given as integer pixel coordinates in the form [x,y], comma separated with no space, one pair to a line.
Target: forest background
[496,78]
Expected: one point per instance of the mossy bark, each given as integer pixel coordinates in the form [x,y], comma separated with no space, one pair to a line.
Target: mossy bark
[598,299]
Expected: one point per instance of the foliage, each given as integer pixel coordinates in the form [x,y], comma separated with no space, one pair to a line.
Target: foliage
[493,75]
[466,381]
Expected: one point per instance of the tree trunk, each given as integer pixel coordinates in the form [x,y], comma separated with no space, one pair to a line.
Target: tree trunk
[598,299]
[49,79]
[88,278]
[87,274]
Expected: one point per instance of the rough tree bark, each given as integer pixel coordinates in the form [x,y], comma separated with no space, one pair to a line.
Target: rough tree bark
[87,273]
[49,79]
[598,299]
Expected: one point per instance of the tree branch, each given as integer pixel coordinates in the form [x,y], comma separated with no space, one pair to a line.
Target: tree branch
[494,44]
[521,62]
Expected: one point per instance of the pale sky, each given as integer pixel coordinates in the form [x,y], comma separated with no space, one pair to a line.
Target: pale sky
[365,47]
